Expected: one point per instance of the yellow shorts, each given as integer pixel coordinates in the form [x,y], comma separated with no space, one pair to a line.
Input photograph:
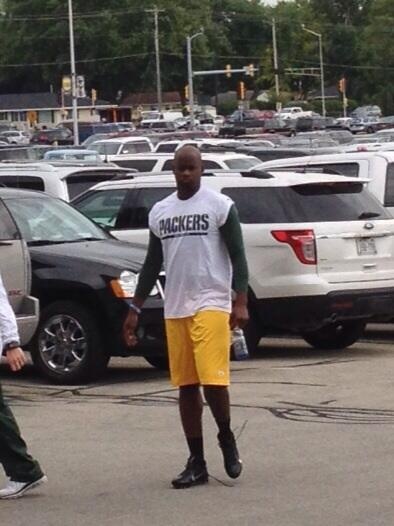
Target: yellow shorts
[199,348]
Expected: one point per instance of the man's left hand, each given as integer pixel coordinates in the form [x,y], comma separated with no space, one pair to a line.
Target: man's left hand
[239,316]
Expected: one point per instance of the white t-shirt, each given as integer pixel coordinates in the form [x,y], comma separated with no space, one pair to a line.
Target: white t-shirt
[196,261]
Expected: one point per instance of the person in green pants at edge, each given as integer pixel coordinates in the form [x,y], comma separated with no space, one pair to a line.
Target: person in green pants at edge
[23,471]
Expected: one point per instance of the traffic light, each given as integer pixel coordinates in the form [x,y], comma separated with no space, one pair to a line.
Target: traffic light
[228,70]
[186,92]
[250,70]
[342,85]
[241,90]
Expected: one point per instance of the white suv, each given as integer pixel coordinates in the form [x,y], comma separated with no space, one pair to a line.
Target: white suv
[160,162]
[64,179]
[320,248]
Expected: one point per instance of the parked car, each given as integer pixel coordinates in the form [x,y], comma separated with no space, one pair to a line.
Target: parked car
[15,137]
[377,167]
[85,129]
[64,179]
[83,279]
[149,162]
[55,136]
[107,148]
[15,268]
[320,248]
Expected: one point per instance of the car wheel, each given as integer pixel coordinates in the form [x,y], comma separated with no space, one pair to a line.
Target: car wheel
[336,336]
[370,130]
[160,362]
[68,345]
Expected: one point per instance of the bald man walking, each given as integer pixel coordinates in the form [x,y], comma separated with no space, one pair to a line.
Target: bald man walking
[196,233]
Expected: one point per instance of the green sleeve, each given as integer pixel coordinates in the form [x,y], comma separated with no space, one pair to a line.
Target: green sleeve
[151,267]
[232,235]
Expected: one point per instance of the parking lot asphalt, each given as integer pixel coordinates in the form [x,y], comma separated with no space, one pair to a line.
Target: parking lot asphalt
[315,432]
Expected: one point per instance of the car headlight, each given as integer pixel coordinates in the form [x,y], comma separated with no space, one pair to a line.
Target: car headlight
[126,285]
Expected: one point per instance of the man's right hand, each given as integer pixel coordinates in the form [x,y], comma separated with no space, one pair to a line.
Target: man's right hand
[16,358]
[129,327]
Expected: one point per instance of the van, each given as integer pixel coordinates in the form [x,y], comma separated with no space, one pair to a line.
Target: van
[16,275]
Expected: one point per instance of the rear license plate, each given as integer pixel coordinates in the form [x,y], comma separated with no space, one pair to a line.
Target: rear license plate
[366,246]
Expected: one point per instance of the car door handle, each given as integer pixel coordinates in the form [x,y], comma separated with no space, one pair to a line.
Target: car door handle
[5,243]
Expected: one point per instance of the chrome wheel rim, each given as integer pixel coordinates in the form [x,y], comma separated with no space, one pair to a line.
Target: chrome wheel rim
[62,343]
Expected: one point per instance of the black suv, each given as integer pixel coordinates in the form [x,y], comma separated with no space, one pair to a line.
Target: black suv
[83,278]
[60,136]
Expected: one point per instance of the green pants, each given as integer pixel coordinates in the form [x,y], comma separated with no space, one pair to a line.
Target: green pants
[17,463]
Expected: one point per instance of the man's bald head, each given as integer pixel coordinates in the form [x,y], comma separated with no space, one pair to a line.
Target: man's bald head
[188,169]
[187,153]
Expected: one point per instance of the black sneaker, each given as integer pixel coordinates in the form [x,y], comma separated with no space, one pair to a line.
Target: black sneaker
[232,462]
[194,473]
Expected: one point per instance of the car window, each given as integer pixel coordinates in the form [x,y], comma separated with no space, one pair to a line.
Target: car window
[8,229]
[102,207]
[389,190]
[167,147]
[135,147]
[305,203]
[350,169]
[135,212]
[23,181]
[79,182]
[209,165]
[46,220]
[105,148]
[242,163]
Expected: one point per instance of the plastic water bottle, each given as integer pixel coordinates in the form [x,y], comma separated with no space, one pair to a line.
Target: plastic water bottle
[238,344]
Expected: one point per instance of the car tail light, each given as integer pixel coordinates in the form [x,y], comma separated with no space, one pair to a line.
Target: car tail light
[301,241]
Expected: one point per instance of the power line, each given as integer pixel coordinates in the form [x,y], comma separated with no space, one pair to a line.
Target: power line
[83,61]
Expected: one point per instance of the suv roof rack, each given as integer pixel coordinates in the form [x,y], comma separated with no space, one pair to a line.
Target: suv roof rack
[7,164]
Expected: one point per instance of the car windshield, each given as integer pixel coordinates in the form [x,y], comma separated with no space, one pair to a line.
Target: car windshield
[105,148]
[45,220]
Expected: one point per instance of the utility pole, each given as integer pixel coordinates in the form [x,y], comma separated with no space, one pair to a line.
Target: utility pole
[156,12]
[276,67]
[73,75]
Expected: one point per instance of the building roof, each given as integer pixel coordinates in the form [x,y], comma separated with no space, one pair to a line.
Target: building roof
[43,101]
[330,92]
[135,99]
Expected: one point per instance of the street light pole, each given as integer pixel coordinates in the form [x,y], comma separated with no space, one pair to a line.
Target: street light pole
[319,36]
[73,75]
[190,74]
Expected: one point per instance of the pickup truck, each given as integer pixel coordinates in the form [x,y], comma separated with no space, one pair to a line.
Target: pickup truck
[16,274]
[293,112]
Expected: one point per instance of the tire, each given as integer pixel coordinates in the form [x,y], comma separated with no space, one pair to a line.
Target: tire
[77,352]
[336,336]
[159,362]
